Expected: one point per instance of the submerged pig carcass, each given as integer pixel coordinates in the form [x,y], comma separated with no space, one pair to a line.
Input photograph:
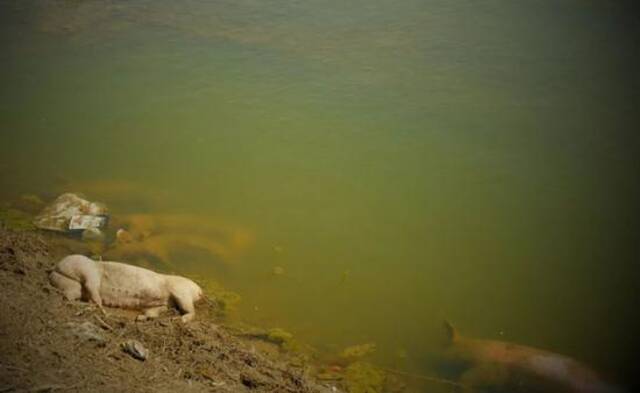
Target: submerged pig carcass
[159,238]
[498,366]
[117,284]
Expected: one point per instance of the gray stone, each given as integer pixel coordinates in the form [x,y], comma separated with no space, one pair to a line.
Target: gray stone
[135,349]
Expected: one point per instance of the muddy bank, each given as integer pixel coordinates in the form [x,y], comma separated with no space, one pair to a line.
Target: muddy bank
[50,344]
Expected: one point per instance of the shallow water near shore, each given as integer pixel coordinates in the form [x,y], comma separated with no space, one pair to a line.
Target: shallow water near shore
[382,166]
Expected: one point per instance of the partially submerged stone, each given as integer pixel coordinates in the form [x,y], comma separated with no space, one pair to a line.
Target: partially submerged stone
[70,213]
[123,236]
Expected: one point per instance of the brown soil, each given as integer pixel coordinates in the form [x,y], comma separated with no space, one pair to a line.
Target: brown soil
[48,344]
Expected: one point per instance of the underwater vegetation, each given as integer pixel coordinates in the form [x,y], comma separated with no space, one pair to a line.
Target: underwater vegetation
[362,377]
[356,352]
[225,300]
[278,336]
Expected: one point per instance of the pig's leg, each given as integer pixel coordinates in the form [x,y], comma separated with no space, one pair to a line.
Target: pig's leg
[92,286]
[71,289]
[151,313]
[185,305]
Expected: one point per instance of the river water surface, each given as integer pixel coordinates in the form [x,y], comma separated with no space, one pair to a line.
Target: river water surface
[391,164]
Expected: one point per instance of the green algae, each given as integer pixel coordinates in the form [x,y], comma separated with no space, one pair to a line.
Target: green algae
[283,338]
[362,377]
[225,301]
[355,352]
[278,336]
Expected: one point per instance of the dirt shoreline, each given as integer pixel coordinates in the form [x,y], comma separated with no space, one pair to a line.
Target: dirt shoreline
[48,344]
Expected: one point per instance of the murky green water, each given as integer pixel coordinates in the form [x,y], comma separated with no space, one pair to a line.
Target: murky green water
[402,162]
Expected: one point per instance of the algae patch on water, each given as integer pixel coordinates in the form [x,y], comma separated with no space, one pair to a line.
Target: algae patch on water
[226,301]
[355,352]
[361,377]
[277,336]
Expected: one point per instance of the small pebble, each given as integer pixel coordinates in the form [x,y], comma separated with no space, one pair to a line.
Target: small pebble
[135,349]
[123,236]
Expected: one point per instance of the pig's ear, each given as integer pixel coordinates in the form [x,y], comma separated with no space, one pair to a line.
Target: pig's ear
[452,333]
